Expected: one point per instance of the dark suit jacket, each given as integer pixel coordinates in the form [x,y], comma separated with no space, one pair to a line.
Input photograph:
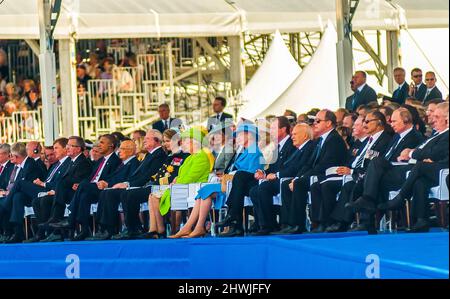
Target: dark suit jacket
[420,94]
[5,176]
[411,140]
[436,149]
[77,172]
[285,153]
[400,95]
[366,96]
[173,122]
[212,121]
[355,149]
[57,177]
[332,153]
[149,167]
[297,161]
[111,165]
[30,172]
[121,174]
[434,94]
[42,168]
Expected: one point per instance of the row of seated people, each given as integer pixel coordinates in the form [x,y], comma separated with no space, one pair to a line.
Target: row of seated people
[303,152]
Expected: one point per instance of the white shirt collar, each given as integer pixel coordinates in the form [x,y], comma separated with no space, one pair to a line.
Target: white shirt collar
[363,139]
[303,144]
[4,164]
[22,165]
[35,159]
[128,160]
[402,135]
[63,160]
[109,156]
[325,135]
[73,160]
[418,86]
[361,87]
[401,85]
[283,141]
[154,150]
[430,89]
[375,137]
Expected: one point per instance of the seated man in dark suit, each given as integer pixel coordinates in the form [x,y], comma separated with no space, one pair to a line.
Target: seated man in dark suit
[27,192]
[6,167]
[432,156]
[432,91]
[374,144]
[79,169]
[406,137]
[25,169]
[329,150]
[417,89]
[34,150]
[219,105]
[363,95]
[166,122]
[87,192]
[139,181]
[401,93]
[262,195]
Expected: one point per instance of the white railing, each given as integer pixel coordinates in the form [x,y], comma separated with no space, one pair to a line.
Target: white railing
[27,126]
[118,53]
[6,130]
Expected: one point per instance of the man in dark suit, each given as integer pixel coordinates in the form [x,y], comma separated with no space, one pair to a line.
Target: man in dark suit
[88,191]
[6,167]
[127,153]
[279,130]
[166,122]
[406,137]
[25,169]
[432,156]
[140,181]
[262,194]
[34,150]
[401,93]
[26,191]
[79,169]
[417,89]
[363,93]
[432,91]
[219,105]
[375,144]
[329,150]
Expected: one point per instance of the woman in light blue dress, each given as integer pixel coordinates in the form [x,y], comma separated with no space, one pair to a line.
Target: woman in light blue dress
[247,158]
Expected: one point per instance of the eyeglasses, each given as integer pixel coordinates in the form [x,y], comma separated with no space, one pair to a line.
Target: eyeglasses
[418,76]
[318,121]
[369,120]
[72,145]
[430,79]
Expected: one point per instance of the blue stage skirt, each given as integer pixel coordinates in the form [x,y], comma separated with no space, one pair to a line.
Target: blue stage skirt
[208,190]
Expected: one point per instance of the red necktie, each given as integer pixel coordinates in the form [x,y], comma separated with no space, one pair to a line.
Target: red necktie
[1,169]
[98,169]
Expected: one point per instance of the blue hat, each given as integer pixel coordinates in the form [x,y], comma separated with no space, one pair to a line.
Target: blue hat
[249,128]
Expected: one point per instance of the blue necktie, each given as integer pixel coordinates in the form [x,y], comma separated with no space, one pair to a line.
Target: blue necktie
[317,150]
[389,154]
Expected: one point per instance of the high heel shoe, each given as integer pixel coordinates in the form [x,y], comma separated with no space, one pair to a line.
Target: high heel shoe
[179,234]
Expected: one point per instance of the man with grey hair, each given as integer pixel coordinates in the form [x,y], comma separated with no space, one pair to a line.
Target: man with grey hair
[34,151]
[25,169]
[6,167]
[142,178]
[262,194]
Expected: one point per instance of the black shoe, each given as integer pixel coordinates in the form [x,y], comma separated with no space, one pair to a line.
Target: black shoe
[225,222]
[48,222]
[53,238]
[82,235]
[319,229]
[126,236]
[364,228]
[147,236]
[14,239]
[361,204]
[262,232]
[421,226]
[3,238]
[294,230]
[233,232]
[61,225]
[35,239]
[100,237]
[281,231]
[396,203]
[336,228]
[254,228]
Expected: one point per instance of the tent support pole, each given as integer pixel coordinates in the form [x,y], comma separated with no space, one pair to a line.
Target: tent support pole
[237,70]
[393,56]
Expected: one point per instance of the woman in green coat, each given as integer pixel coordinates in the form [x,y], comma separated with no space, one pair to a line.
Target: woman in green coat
[195,169]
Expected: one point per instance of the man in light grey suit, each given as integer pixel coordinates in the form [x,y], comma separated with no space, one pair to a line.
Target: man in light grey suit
[221,143]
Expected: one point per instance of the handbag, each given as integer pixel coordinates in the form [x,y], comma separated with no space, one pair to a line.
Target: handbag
[224,181]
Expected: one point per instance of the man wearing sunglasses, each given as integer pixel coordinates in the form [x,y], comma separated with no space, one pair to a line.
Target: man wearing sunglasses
[432,91]
[417,89]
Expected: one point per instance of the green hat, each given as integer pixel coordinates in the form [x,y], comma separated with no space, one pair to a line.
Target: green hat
[194,133]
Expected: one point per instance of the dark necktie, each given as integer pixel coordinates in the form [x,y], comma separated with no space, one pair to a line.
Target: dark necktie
[50,177]
[416,89]
[12,178]
[218,116]
[317,150]
[1,169]
[391,151]
[355,97]
[360,161]
[100,166]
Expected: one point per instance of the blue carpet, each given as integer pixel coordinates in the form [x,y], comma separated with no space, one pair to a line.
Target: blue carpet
[341,255]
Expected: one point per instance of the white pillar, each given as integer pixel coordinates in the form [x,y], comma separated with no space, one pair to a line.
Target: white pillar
[393,56]
[344,50]
[47,68]
[237,70]
[68,81]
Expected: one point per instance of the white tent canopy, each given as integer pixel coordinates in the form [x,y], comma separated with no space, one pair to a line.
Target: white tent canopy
[278,70]
[191,18]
